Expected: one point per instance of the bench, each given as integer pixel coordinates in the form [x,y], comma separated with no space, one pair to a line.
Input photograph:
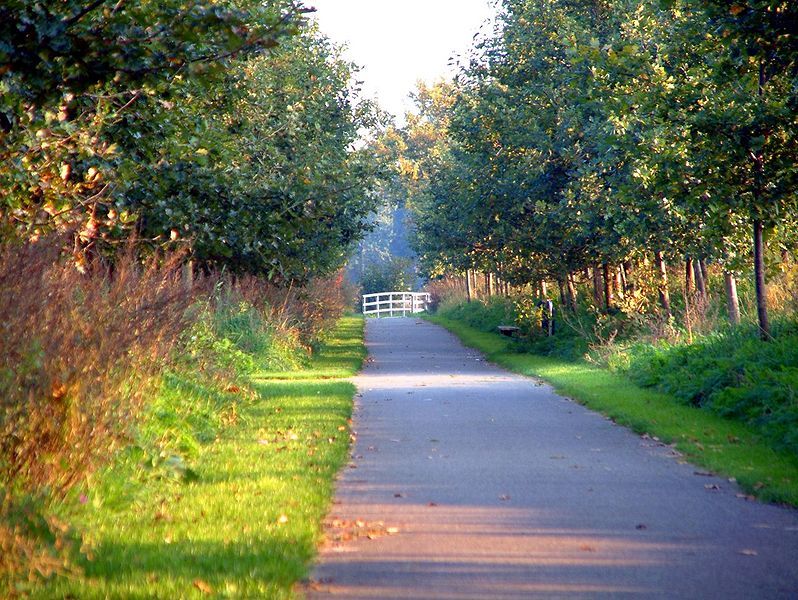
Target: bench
[509,330]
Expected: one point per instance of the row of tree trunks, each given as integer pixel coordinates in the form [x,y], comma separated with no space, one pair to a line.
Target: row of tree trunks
[492,285]
[610,283]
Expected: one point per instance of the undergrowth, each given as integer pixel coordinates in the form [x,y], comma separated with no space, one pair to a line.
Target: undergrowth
[115,377]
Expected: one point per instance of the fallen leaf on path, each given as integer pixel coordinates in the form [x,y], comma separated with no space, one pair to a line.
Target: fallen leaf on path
[504,497]
[392,530]
[703,473]
[432,504]
[748,552]
[398,495]
[587,548]
[711,486]
[641,526]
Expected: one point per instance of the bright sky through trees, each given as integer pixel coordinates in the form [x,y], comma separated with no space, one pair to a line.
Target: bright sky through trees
[398,42]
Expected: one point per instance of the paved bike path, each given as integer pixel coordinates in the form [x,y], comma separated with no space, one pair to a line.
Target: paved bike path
[467,481]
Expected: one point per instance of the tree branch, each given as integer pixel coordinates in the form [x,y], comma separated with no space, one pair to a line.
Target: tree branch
[83,12]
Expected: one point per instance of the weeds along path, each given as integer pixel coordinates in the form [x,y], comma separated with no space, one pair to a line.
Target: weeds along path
[470,482]
[248,526]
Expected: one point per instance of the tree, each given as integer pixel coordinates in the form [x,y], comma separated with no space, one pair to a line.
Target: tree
[227,130]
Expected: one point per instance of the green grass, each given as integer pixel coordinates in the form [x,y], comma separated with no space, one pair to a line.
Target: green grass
[726,447]
[247,523]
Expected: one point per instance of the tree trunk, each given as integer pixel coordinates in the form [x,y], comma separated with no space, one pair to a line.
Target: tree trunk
[618,282]
[563,294]
[662,284]
[544,289]
[628,279]
[605,268]
[597,292]
[700,283]
[571,293]
[689,277]
[732,301]
[759,281]
[491,284]
[469,291]
[188,274]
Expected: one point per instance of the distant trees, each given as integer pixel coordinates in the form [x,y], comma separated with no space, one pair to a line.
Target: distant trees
[600,141]
[227,129]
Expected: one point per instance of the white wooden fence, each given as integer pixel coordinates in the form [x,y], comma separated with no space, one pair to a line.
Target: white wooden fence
[395,303]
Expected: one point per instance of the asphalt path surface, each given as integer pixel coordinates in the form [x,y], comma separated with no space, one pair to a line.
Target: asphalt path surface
[467,481]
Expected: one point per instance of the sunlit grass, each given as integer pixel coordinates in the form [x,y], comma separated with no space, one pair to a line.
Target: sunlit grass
[726,447]
[248,526]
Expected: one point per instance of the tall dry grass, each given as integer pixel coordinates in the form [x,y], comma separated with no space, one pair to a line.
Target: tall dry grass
[77,349]
[77,352]
[81,351]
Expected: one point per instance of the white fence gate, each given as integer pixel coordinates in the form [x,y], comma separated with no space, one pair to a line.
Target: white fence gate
[395,303]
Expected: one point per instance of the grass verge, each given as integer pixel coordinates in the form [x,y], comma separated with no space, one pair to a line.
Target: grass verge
[725,447]
[247,522]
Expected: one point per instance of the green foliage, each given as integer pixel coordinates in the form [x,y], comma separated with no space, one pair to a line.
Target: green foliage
[392,274]
[583,135]
[272,452]
[224,129]
[484,316]
[523,312]
[730,373]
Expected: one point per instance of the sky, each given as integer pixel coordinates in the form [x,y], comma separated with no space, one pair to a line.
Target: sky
[398,42]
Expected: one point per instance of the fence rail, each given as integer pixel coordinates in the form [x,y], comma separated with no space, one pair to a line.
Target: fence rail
[395,303]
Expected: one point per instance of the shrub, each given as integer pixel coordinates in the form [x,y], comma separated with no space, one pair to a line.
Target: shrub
[83,349]
[730,372]
[79,352]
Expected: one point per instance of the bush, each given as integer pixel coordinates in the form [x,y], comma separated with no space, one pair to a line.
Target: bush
[482,315]
[128,365]
[730,372]
[79,352]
